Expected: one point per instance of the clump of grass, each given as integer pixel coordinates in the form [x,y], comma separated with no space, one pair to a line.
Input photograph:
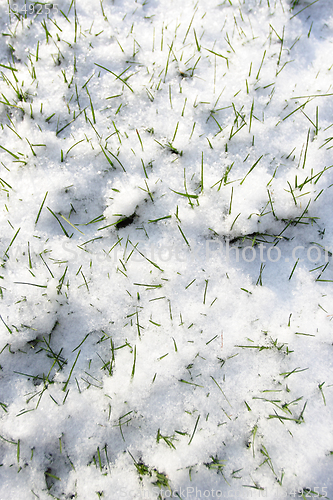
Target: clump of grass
[160,479]
[173,150]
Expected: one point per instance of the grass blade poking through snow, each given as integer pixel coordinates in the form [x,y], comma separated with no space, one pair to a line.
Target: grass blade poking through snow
[71,371]
[195,428]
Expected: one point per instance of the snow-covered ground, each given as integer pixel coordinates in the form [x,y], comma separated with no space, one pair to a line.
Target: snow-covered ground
[166,249]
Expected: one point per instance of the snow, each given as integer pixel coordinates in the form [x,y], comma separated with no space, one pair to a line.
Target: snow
[166,249]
